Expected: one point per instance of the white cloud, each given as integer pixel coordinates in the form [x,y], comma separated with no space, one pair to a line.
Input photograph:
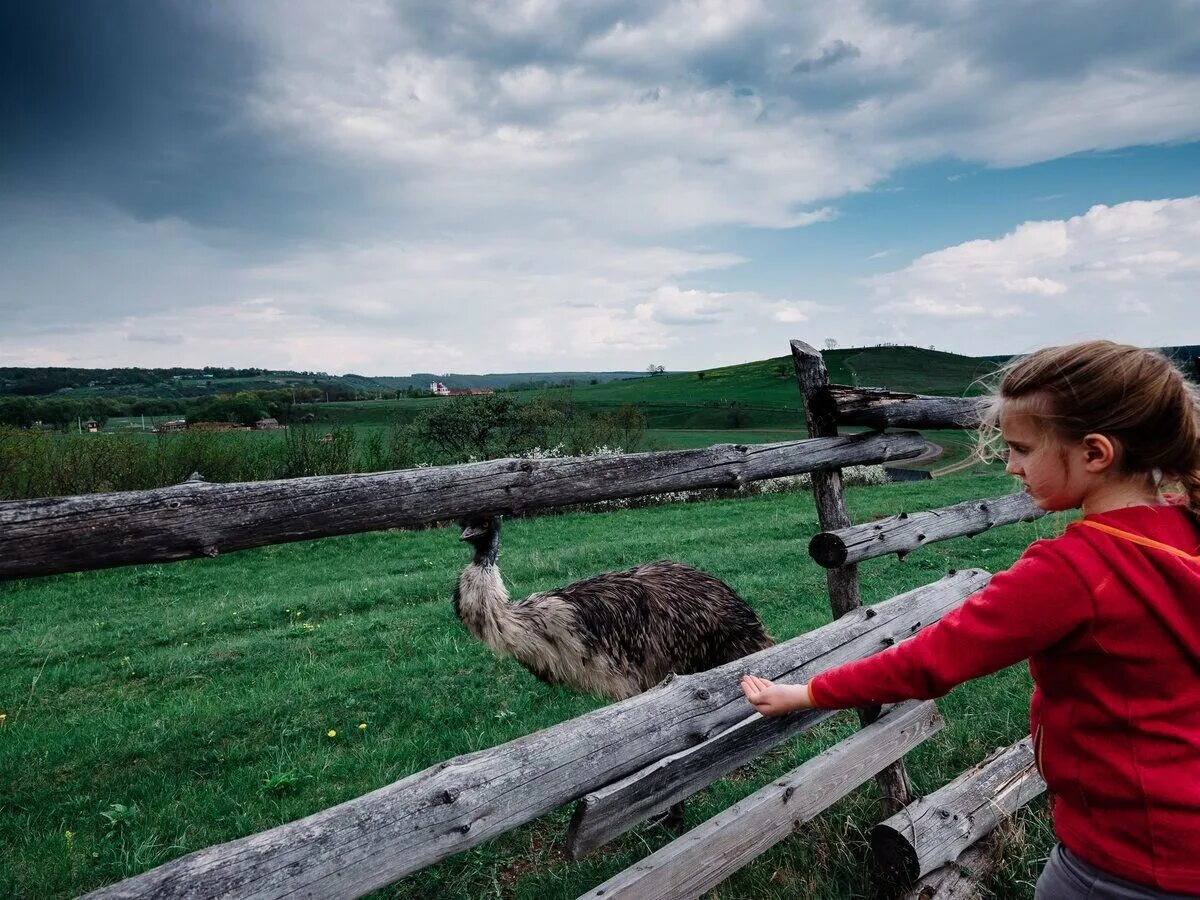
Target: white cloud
[1115,270]
[1046,287]
[700,112]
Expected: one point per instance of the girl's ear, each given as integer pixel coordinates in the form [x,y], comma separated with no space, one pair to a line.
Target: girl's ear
[1099,452]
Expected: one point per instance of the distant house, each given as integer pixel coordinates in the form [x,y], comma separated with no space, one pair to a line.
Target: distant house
[267,425]
[441,390]
[91,426]
[172,425]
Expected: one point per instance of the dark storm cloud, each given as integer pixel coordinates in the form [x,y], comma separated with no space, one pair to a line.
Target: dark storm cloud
[831,55]
[138,104]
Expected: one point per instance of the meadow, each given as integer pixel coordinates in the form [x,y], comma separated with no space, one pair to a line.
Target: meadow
[154,710]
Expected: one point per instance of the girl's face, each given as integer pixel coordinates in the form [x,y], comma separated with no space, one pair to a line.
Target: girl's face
[1053,474]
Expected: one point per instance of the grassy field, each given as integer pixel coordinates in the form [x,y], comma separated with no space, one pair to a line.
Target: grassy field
[151,711]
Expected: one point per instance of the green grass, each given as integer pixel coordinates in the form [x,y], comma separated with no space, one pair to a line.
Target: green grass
[155,710]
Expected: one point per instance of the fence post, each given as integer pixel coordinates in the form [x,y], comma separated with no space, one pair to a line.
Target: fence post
[820,411]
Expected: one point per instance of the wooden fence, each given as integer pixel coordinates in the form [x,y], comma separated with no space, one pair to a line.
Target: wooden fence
[626,761]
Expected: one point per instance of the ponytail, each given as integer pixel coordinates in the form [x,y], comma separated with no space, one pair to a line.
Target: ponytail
[1189,474]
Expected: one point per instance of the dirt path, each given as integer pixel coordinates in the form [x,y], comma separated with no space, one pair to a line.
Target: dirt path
[931,452]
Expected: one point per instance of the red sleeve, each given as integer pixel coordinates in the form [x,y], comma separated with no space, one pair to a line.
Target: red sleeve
[1022,611]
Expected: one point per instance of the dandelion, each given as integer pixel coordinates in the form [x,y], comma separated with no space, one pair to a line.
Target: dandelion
[331,733]
[362,726]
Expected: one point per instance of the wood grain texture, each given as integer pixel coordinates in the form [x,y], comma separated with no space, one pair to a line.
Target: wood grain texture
[611,811]
[934,830]
[904,533]
[711,852]
[887,409]
[69,534]
[366,843]
[961,879]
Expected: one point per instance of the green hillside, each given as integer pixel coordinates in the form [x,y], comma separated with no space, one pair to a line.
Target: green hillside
[763,394]
[772,382]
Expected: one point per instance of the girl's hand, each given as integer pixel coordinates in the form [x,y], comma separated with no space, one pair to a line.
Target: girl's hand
[772,699]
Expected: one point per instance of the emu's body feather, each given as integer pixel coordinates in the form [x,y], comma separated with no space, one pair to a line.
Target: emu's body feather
[615,634]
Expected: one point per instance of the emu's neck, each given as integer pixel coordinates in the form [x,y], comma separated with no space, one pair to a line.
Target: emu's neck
[481,602]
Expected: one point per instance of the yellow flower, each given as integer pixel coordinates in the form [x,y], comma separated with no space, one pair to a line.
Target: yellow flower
[362,726]
[331,733]
[3,716]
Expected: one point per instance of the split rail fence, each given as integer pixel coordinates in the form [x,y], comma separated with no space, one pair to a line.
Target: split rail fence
[630,760]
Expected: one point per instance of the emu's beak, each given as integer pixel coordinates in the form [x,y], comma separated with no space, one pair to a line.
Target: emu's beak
[471,531]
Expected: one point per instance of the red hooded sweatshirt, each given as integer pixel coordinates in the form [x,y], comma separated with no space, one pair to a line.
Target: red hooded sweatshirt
[1109,618]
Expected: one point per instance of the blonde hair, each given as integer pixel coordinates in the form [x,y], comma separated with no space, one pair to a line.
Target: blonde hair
[1135,397]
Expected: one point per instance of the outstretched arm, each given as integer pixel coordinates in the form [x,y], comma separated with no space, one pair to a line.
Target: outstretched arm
[1036,603]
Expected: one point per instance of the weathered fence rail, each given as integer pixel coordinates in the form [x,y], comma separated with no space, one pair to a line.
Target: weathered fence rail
[907,531]
[887,409]
[67,534]
[364,844]
[615,808]
[711,852]
[934,830]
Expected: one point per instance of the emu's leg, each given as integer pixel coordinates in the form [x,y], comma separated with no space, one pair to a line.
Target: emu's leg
[673,819]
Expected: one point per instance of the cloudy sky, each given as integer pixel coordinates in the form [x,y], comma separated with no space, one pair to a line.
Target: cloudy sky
[489,186]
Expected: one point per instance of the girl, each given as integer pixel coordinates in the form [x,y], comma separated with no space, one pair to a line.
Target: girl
[1108,615]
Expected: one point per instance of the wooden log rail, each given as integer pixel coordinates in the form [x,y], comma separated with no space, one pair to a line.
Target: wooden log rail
[364,844]
[711,852]
[908,531]
[68,534]
[936,829]
[880,409]
[611,811]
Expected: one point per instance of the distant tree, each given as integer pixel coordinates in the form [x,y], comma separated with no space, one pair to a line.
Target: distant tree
[701,375]
[465,426]
[655,369]
[830,344]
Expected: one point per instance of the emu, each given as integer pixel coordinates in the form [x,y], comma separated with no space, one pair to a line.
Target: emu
[615,634]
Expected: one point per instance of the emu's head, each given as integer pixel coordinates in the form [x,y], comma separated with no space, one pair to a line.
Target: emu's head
[482,533]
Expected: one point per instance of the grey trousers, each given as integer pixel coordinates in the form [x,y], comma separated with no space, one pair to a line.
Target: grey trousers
[1067,877]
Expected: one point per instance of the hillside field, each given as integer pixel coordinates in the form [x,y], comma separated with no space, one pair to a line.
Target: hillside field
[764,392]
[154,710]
